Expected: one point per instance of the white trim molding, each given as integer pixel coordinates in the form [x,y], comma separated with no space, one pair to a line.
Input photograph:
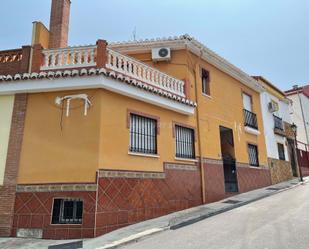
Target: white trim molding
[252,131]
[112,82]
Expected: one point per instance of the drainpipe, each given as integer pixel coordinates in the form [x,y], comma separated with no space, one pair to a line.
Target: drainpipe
[302,112]
[96,205]
[199,133]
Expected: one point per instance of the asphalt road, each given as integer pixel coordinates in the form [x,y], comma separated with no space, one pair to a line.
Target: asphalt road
[277,222]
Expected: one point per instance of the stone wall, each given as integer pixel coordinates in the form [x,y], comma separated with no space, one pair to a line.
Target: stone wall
[279,170]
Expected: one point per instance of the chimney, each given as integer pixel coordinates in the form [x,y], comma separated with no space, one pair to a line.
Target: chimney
[59,23]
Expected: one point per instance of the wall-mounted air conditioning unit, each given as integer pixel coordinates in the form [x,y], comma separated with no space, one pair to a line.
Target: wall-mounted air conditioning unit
[273,106]
[161,54]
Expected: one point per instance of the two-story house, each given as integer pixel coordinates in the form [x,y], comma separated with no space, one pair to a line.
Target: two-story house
[118,133]
[276,109]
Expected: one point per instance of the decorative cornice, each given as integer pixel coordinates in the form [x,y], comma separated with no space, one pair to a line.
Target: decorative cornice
[130,174]
[196,47]
[247,165]
[176,166]
[212,161]
[56,188]
[9,79]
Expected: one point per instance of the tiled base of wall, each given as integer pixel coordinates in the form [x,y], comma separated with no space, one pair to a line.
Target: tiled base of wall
[305,171]
[126,197]
[33,210]
[214,181]
[250,178]
[123,201]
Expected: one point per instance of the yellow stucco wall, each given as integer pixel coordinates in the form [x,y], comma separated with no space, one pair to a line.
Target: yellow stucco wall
[224,107]
[50,154]
[115,134]
[6,111]
[40,34]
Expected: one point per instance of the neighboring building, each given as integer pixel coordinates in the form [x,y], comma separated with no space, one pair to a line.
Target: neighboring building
[12,114]
[116,134]
[276,109]
[300,116]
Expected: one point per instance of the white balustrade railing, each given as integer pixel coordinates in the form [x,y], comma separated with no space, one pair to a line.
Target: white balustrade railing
[143,72]
[71,57]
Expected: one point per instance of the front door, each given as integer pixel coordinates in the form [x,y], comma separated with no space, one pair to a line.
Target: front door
[291,150]
[228,156]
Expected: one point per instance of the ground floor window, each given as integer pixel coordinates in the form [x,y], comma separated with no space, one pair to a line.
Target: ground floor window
[281,151]
[184,142]
[67,211]
[143,134]
[253,155]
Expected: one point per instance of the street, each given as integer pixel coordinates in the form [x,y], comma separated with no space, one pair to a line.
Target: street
[276,222]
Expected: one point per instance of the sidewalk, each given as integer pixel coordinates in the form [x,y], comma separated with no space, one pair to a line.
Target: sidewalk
[172,221]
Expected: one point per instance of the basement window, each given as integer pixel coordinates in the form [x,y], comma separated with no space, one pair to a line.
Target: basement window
[67,211]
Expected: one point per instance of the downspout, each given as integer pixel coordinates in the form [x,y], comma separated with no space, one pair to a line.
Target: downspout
[96,205]
[302,113]
[199,133]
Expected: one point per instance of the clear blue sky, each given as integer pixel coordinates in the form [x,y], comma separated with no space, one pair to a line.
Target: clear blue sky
[262,37]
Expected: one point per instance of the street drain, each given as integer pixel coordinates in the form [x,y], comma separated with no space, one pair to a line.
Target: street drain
[273,189]
[231,201]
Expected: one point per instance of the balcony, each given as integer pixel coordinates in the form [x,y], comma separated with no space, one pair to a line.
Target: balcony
[278,126]
[250,120]
[86,57]
[71,57]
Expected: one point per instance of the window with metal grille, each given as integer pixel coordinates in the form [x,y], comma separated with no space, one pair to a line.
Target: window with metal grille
[205,82]
[143,134]
[253,155]
[281,151]
[184,142]
[67,211]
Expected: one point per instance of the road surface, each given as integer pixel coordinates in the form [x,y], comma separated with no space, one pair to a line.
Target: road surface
[276,222]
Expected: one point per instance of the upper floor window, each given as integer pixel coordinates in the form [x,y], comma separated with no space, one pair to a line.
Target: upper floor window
[143,134]
[205,82]
[184,142]
[253,155]
[67,211]
[249,116]
[281,151]
[278,124]
[247,102]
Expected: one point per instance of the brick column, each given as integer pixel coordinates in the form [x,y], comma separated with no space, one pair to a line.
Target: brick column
[8,190]
[37,58]
[24,65]
[101,53]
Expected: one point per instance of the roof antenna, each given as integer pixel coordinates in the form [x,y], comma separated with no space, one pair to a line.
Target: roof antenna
[134,34]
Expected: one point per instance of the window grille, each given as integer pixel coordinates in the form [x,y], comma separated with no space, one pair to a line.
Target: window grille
[143,134]
[253,155]
[184,142]
[67,211]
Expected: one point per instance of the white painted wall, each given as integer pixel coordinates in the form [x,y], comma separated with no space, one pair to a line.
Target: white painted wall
[297,117]
[271,138]
[6,110]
